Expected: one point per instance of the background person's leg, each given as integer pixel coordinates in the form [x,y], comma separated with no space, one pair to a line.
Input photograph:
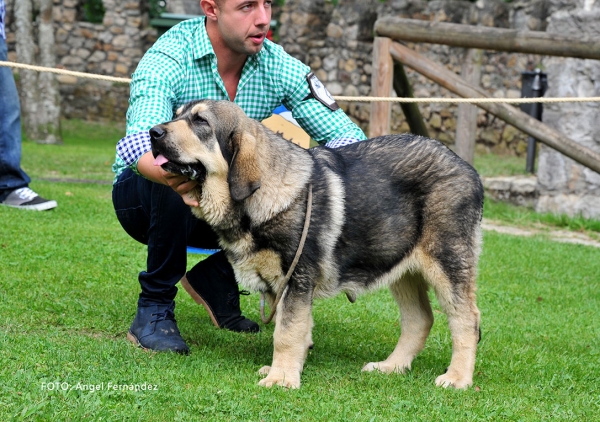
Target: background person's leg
[14,182]
[11,175]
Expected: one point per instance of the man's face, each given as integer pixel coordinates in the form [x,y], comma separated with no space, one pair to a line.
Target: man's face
[244,24]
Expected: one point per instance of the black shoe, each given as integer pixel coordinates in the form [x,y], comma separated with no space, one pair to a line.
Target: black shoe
[211,283]
[27,199]
[155,328]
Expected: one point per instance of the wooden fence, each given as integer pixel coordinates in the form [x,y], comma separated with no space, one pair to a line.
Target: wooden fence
[386,50]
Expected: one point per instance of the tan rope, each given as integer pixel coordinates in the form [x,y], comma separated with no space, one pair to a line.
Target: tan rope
[65,72]
[337,98]
[470,100]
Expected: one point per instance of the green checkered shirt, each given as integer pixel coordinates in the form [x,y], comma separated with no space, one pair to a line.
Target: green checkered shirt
[182,67]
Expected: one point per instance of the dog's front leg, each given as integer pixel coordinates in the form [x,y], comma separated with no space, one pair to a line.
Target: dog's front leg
[291,340]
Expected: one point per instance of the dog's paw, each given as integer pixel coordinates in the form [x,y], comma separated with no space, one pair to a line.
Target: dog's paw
[277,376]
[264,370]
[454,380]
[385,367]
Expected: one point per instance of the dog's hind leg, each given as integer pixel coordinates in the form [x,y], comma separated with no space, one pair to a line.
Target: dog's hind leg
[291,340]
[416,320]
[455,290]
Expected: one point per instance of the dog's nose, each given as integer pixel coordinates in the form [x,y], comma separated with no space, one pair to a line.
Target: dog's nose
[157,133]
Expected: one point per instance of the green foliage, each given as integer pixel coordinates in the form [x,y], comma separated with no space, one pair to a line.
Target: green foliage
[157,7]
[93,11]
[68,285]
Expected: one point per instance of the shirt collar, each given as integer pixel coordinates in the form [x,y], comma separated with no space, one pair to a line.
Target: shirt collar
[202,46]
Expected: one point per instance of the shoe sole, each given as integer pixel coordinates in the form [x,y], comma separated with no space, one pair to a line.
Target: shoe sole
[198,299]
[134,340]
[38,207]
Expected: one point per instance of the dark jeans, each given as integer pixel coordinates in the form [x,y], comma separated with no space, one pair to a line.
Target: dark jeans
[155,215]
[11,175]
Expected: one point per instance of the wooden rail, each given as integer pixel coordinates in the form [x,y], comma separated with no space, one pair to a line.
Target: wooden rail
[473,37]
[509,114]
[499,39]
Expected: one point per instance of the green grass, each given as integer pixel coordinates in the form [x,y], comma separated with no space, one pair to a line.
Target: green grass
[525,217]
[88,153]
[68,285]
[491,165]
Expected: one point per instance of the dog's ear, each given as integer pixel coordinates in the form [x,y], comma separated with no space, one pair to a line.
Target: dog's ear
[244,173]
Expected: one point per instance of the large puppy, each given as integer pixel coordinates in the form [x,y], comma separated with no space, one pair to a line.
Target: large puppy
[401,211]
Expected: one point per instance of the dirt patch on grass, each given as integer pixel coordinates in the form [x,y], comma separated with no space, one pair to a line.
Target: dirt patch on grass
[565,236]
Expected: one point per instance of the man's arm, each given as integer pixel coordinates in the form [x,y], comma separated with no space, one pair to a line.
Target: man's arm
[154,90]
[326,126]
[151,102]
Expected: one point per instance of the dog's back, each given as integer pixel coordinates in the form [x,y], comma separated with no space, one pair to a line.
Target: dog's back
[400,191]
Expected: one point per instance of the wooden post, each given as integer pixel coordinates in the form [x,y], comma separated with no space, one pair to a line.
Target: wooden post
[411,110]
[466,121]
[487,38]
[509,114]
[381,86]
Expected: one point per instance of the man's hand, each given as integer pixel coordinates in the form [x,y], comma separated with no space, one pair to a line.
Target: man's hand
[180,184]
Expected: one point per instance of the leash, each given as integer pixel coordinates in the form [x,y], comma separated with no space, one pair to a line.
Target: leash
[292,267]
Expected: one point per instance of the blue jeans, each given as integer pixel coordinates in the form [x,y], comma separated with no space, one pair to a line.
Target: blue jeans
[11,175]
[155,215]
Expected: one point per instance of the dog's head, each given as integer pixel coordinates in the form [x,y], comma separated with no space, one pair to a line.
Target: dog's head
[210,138]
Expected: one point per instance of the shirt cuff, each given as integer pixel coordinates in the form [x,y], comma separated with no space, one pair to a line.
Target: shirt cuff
[336,143]
[132,147]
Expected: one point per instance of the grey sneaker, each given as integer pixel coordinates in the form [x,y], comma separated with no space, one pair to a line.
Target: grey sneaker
[27,199]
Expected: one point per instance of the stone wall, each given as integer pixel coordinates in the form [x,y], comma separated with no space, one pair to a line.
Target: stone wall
[337,43]
[565,186]
[113,47]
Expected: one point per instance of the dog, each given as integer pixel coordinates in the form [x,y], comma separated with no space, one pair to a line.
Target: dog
[401,211]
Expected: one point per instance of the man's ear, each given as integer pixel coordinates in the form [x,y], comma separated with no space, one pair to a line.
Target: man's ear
[209,7]
[244,172]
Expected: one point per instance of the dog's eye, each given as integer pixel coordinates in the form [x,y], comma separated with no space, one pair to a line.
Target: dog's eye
[199,120]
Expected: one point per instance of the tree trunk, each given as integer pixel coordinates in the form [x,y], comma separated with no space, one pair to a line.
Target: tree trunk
[40,101]
[49,94]
[26,55]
